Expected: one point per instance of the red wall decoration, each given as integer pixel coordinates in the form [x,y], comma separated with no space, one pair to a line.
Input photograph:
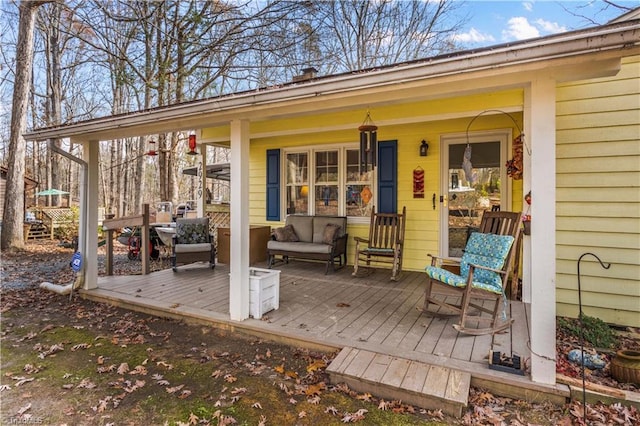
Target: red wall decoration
[418,182]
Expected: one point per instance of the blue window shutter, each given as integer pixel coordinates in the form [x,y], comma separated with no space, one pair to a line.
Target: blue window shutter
[388,177]
[273,184]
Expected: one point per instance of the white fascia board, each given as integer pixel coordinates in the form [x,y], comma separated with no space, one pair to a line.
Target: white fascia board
[588,45]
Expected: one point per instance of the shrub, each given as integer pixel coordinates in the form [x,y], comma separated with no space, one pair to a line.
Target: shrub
[594,330]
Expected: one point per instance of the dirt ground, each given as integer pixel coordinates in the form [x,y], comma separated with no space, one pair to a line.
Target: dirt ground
[75,362]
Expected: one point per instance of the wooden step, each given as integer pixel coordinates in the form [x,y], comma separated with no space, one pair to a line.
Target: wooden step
[412,382]
[35,231]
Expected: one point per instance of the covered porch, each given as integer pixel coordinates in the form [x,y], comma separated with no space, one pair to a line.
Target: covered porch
[432,99]
[336,311]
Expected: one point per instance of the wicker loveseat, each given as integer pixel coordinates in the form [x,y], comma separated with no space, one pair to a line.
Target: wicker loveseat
[310,237]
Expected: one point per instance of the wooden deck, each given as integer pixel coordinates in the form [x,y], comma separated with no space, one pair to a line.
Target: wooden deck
[336,311]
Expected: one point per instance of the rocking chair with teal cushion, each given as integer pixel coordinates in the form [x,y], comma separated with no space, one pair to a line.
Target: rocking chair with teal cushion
[484,271]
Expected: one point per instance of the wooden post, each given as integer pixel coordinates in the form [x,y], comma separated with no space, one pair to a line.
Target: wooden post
[109,247]
[132,221]
[144,250]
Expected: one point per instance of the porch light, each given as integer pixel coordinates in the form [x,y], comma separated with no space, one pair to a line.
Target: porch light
[424,147]
[192,145]
[368,142]
[152,148]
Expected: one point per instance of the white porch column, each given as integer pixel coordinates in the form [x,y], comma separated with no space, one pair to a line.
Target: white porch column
[239,250]
[542,142]
[90,226]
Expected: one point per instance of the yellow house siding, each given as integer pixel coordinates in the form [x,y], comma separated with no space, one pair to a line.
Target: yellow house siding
[598,195]
[422,228]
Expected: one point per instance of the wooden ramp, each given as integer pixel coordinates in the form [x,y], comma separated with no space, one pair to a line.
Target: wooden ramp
[413,382]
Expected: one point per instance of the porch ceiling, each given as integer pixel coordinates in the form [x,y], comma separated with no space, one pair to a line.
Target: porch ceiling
[562,57]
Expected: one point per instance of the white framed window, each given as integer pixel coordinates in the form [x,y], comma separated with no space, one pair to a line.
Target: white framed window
[327,181]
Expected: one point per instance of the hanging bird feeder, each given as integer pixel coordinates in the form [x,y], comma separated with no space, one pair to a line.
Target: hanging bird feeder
[192,145]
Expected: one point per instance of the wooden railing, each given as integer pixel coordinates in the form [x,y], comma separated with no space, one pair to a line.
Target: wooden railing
[110,225]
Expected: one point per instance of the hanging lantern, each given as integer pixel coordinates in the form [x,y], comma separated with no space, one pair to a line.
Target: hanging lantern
[192,145]
[368,143]
[152,148]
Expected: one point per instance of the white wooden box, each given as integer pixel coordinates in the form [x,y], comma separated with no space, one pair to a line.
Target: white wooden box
[264,291]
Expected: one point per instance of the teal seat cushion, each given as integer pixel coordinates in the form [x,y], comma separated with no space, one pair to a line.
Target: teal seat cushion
[445,276]
[454,280]
[380,250]
[488,250]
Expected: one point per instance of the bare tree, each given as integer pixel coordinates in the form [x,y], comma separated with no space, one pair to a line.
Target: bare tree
[148,54]
[13,213]
[360,34]
[576,9]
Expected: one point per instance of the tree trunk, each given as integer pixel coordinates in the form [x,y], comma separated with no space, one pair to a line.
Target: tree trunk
[13,213]
[55,93]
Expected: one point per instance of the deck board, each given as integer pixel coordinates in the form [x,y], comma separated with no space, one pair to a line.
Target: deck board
[337,310]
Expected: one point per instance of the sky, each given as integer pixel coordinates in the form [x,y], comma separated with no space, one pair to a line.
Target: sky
[496,22]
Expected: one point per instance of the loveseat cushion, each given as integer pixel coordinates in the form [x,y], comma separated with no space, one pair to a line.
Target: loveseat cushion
[303,226]
[299,247]
[330,233]
[320,224]
[286,234]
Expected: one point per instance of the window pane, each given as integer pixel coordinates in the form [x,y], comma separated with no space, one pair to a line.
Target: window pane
[297,168]
[326,200]
[359,186]
[297,183]
[326,167]
[298,199]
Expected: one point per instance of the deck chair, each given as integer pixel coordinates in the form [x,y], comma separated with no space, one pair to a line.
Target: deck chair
[505,223]
[385,242]
[484,271]
[192,242]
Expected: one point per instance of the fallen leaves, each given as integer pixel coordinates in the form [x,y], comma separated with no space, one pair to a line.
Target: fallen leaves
[50,351]
[174,389]
[22,380]
[139,370]
[354,417]
[80,346]
[86,384]
[132,357]
[316,365]
[24,409]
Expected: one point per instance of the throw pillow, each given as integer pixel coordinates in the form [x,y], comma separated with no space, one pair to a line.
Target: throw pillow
[330,233]
[286,234]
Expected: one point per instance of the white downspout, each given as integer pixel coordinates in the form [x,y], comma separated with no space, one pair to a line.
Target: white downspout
[82,231]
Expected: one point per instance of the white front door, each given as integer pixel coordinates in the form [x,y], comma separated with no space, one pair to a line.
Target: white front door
[474,179]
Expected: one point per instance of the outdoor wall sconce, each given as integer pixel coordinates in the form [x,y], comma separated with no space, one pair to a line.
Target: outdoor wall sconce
[368,143]
[192,145]
[424,147]
[152,148]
